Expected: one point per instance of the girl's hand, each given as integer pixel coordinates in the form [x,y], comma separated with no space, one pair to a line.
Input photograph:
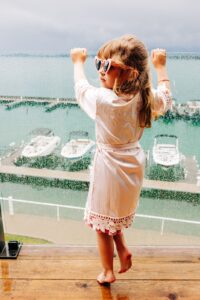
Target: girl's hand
[78,54]
[158,58]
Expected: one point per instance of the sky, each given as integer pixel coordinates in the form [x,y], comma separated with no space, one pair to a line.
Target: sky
[56,26]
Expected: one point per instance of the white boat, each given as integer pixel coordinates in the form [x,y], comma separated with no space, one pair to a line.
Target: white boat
[166,154]
[40,145]
[192,107]
[76,148]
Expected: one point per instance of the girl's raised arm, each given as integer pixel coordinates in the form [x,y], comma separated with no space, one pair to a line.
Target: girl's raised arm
[162,96]
[159,58]
[78,56]
[86,94]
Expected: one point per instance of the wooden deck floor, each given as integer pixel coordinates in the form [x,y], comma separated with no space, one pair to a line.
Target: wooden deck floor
[50,272]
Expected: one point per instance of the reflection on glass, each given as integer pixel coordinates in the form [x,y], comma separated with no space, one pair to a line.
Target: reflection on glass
[50,209]
[6,282]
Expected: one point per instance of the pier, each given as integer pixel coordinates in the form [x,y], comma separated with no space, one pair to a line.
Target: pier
[188,185]
[189,111]
[46,173]
[83,176]
[12,102]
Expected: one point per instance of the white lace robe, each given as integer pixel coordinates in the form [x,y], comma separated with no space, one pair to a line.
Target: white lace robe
[118,168]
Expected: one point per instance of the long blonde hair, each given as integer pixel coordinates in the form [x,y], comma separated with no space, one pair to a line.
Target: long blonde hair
[131,52]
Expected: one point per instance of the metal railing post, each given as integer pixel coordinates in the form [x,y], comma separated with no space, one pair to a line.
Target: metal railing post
[58,213]
[2,236]
[10,205]
[162,227]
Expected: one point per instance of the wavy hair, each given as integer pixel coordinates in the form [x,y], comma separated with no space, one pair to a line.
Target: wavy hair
[131,52]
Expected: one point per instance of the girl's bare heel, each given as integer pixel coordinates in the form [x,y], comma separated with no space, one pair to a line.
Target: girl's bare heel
[126,263]
[106,278]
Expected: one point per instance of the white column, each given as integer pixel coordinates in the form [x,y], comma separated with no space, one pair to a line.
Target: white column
[58,214]
[10,206]
[162,227]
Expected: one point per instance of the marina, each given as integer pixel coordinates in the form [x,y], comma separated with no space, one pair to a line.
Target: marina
[45,99]
[187,111]
[7,167]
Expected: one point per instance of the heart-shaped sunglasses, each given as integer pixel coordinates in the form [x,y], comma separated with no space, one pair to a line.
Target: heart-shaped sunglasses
[105,64]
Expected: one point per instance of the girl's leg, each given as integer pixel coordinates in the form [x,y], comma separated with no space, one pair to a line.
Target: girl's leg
[123,252]
[106,251]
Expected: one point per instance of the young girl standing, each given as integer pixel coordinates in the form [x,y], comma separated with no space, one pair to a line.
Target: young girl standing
[122,107]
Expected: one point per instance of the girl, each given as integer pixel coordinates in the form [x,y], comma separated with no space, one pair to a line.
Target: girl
[122,107]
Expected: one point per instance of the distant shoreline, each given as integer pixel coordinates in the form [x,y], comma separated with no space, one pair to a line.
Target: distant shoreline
[171,55]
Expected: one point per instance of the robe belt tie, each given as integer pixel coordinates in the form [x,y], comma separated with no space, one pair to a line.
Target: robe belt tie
[118,146]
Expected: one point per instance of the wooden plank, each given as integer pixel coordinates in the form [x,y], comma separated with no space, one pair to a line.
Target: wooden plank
[164,253]
[54,250]
[57,252]
[70,273]
[88,270]
[89,289]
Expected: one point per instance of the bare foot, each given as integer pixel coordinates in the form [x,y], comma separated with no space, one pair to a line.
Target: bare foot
[125,259]
[106,277]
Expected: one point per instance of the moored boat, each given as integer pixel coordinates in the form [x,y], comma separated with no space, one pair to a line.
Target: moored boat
[166,154]
[77,147]
[41,145]
[193,107]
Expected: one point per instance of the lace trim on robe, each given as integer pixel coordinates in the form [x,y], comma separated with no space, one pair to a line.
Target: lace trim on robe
[107,224]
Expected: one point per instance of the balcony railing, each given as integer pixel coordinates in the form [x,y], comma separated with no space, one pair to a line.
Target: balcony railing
[11,201]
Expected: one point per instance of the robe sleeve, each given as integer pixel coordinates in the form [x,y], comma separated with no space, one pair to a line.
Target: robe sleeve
[162,99]
[87,96]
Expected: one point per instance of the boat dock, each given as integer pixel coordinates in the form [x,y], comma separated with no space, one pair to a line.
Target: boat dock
[83,176]
[12,102]
[191,169]
[171,186]
[46,173]
[11,156]
[54,105]
[189,185]
[186,111]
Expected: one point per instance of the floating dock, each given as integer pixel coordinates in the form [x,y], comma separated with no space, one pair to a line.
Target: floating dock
[189,185]
[189,111]
[83,176]
[12,102]
[46,173]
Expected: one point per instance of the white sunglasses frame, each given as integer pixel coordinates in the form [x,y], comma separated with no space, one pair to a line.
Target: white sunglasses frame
[111,63]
